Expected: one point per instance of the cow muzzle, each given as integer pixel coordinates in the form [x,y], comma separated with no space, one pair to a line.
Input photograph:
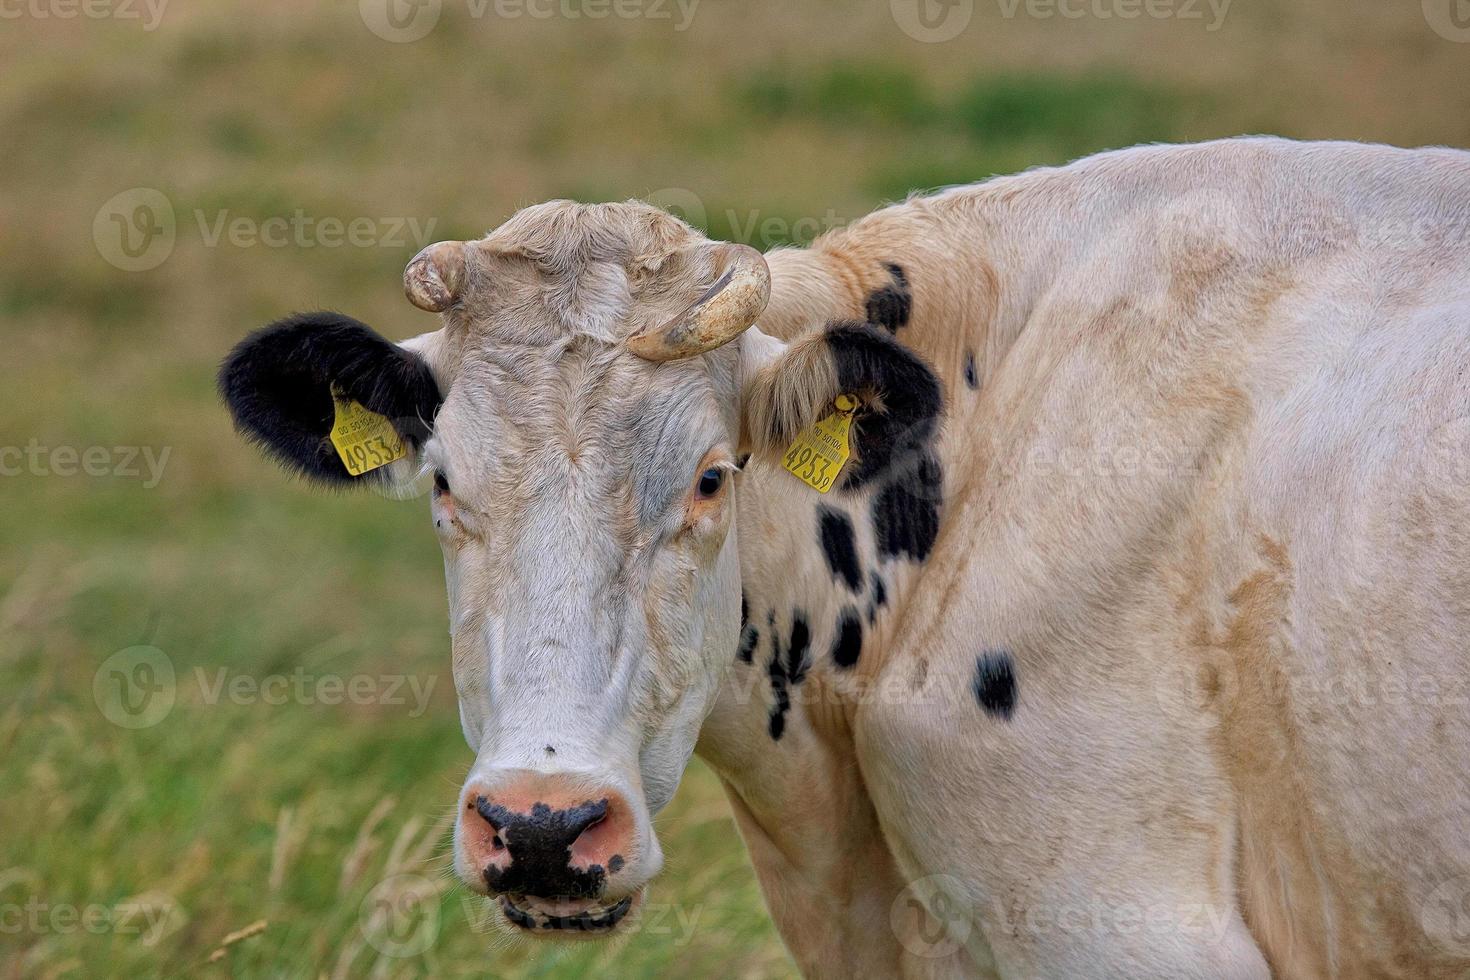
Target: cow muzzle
[562,853]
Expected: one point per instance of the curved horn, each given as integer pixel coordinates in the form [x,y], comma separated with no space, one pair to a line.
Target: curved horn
[434,278]
[741,290]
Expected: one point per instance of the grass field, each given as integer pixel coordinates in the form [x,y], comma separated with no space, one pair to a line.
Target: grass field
[299,765]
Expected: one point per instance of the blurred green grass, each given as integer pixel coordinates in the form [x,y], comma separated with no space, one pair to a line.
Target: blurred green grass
[764,122]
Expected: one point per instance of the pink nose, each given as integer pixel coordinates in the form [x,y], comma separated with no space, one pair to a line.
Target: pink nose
[542,837]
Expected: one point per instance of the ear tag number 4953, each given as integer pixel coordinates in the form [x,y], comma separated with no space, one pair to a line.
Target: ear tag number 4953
[364,439]
[819,451]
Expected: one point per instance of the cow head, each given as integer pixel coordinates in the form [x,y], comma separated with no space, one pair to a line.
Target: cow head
[580,411]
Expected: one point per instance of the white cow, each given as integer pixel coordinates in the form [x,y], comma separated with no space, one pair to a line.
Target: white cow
[1133,640]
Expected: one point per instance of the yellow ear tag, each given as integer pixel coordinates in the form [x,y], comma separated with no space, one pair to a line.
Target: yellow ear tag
[817,455]
[364,439]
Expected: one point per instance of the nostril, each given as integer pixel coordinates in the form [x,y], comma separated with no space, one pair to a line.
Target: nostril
[581,819]
[495,816]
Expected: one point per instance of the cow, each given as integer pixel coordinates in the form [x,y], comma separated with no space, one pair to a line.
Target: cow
[1131,638]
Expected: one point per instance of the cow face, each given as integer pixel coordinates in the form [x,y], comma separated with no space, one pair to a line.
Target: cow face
[580,414]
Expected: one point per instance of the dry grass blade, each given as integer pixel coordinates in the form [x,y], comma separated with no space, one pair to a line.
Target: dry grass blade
[239,935]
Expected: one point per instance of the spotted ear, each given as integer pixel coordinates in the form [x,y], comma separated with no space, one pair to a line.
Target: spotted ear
[899,399]
[279,383]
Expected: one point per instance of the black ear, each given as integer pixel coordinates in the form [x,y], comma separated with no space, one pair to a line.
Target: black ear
[901,403]
[278,384]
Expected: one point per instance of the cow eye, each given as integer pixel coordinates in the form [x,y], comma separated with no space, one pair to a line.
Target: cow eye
[710,481]
[441,483]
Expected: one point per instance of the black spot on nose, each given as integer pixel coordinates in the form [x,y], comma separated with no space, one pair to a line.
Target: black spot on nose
[540,844]
[839,545]
[995,684]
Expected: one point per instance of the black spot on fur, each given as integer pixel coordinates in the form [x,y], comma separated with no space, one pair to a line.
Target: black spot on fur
[870,363]
[778,690]
[971,378]
[879,600]
[540,850]
[995,684]
[839,544]
[278,383]
[906,512]
[776,670]
[742,459]
[615,864]
[797,659]
[849,642]
[787,668]
[892,306]
[750,638]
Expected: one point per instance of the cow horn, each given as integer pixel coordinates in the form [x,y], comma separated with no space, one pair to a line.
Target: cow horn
[434,278]
[741,290]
